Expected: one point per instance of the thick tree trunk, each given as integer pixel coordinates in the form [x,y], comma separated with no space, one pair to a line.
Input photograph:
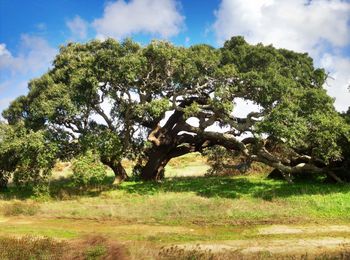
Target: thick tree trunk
[118,169]
[3,182]
[119,173]
[154,168]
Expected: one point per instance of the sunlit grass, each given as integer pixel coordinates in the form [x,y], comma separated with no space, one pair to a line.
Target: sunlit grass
[209,200]
[177,210]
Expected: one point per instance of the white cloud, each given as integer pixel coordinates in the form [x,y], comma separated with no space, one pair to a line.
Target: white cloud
[289,24]
[3,50]
[187,41]
[4,103]
[33,58]
[9,90]
[78,27]
[35,54]
[316,27]
[244,107]
[122,19]
[338,83]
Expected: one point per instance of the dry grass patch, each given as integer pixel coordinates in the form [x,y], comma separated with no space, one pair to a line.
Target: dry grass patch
[18,208]
[29,247]
[40,248]
[96,247]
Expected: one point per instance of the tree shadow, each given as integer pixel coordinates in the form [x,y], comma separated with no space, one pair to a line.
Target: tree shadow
[235,187]
[62,189]
[221,187]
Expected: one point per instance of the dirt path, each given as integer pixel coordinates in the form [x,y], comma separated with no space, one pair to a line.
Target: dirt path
[277,246]
[297,229]
[274,239]
[285,240]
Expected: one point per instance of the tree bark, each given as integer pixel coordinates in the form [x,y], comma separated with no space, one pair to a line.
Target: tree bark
[118,170]
[154,168]
[3,182]
[119,173]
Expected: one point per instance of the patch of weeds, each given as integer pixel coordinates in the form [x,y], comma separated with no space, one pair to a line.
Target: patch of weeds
[197,253]
[44,248]
[268,196]
[29,247]
[175,252]
[20,208]
[95,252]
[41,193]
[96,247]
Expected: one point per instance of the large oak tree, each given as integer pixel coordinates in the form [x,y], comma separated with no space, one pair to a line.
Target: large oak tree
[127,100]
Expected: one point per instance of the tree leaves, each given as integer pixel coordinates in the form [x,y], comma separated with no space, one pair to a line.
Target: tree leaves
[131,87]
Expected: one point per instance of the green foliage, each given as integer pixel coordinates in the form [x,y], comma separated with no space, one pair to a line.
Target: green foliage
[142,83]
[95,252]
[26,155]
[306,119]
[154,109]
[192,110]
[88,171]
[346,116]
[221,161]
[104,142]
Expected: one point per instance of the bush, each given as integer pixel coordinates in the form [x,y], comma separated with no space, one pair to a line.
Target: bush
[88,171]
[20,208]
[223,162]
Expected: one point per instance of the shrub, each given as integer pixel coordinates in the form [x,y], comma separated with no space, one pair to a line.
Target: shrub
[223,162]
[88,171]
[20,208]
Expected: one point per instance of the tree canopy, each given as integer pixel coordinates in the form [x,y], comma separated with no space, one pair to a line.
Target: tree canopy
[25,154]
[122,99]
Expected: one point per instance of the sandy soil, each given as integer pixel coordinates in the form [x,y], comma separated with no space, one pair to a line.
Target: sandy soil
[274,239]
[316,241]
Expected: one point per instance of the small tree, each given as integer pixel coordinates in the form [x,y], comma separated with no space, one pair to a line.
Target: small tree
[88,171]
[25,155]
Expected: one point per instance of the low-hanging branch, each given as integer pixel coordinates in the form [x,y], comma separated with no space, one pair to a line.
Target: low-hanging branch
[154,92]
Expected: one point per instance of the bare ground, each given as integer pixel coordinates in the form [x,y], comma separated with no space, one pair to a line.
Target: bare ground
[274,239]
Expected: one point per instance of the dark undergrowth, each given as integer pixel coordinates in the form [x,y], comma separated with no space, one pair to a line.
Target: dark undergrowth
[62,188]
[236,187]
[224,187]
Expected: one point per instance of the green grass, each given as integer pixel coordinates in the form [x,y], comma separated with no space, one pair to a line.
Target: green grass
[176,210]
[37,230]
[225,200]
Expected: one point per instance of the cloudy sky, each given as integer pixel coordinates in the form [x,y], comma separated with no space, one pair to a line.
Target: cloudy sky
[31,31]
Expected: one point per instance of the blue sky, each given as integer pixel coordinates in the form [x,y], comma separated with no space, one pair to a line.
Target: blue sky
[32,31]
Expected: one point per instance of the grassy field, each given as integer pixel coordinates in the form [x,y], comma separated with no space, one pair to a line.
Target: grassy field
[228,217]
